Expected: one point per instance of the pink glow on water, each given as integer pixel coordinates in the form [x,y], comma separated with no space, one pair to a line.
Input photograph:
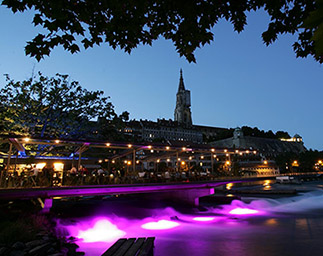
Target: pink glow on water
[243,211]
[102,231]
[203,218]
[160,225]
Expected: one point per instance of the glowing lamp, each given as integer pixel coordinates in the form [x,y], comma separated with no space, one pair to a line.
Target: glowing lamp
[243,211]
[160,225]
[58,166]
[203,219]
[102,231]
[40,165]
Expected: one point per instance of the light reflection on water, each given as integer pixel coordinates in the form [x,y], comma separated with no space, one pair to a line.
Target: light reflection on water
[287,226]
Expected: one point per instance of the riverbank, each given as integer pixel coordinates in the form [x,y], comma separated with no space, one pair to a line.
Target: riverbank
[24,231]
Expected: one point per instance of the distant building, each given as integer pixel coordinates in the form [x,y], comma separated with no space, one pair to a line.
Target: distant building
[147,130]
[268,147]
[257,168]
[183,129]
[182,113]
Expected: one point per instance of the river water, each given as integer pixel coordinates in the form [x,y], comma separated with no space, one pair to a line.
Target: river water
[290,225]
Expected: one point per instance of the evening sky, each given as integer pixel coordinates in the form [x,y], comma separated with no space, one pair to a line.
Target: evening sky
[236,81]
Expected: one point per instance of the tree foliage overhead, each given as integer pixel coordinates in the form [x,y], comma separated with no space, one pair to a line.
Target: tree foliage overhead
[50,107]
[187,23]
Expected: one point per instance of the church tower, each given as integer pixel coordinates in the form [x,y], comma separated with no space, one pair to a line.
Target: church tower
[182,113]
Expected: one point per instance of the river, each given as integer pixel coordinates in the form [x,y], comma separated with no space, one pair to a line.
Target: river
[288,225]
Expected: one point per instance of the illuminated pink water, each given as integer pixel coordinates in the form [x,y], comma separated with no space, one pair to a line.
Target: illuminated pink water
[236,229]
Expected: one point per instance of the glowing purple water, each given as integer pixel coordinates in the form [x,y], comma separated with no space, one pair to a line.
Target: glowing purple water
[243,211]
[160,225]
[236,229]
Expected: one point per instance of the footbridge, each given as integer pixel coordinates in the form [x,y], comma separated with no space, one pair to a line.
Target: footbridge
[188,192]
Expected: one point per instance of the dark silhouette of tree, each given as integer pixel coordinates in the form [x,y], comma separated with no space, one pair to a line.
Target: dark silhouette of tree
[255,132]
[306,160]
[187,23]
[51,107]
[282,135]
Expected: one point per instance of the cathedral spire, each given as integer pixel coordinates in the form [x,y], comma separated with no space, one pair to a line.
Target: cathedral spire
[181,86]
[182,113]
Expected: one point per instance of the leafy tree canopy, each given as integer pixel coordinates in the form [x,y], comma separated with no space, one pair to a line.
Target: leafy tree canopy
[51,107]
[255,132]
[187,23]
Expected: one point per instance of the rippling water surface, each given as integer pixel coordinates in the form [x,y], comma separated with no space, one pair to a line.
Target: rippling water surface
[285,226]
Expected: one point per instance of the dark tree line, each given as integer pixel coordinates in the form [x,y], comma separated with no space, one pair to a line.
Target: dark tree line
[255,132]
[305,162]
[249,131]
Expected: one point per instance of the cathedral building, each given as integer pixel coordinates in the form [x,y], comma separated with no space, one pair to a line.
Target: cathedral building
[179,129]
[183,129]
[182,113]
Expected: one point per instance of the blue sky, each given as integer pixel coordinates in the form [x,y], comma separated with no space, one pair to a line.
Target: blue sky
[236,81]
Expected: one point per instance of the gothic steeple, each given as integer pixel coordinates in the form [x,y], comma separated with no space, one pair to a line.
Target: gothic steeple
[181,86]
[182,113]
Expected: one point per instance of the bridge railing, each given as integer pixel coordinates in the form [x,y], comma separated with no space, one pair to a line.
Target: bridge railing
[28,181]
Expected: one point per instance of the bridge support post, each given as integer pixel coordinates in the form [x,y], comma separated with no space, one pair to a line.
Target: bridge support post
[189,196]
[46,204]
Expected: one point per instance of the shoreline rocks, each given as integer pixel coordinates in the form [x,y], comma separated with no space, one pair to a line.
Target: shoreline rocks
[45,244]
